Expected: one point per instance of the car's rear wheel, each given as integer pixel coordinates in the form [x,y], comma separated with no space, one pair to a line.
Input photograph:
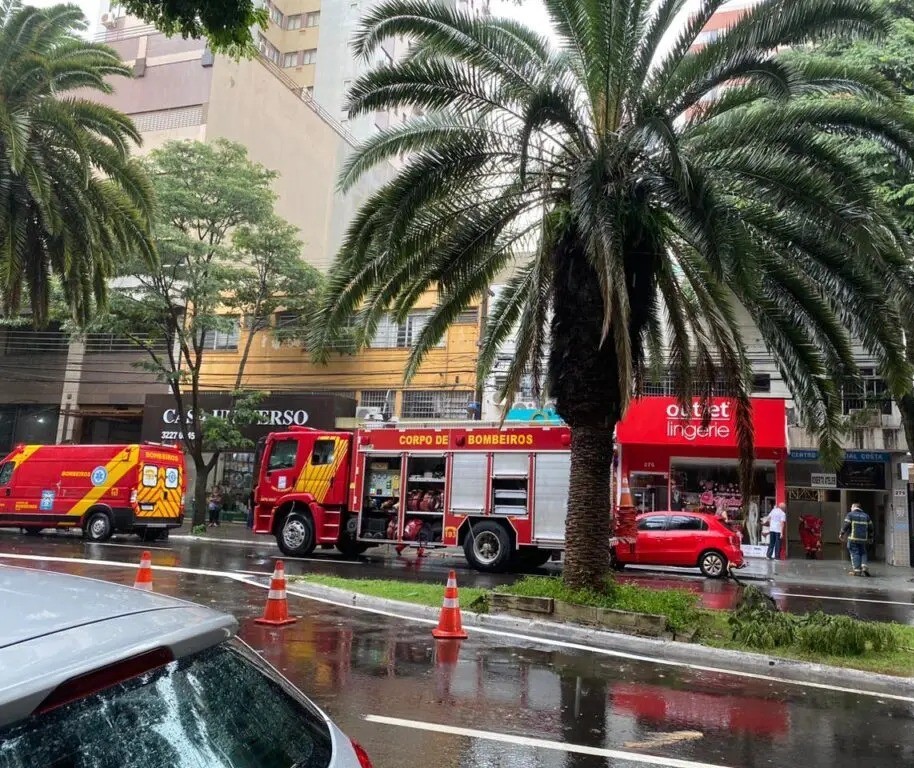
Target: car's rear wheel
[614,561]
[713,564]
[97,527]
[296,537]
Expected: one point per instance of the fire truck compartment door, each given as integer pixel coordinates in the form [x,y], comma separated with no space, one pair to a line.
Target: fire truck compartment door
[469,482]
[551,496]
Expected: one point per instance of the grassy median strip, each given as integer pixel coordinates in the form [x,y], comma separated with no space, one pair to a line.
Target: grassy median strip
[836,641]
[405,591]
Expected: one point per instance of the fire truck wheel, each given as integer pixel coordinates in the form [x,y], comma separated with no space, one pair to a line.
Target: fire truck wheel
[97,526]
[349,547]
[31,531]
[488,547]
[296,537]
[713,564]
[532,557]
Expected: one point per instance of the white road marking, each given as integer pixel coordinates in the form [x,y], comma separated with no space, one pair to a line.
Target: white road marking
[240,577]
[526,741]
[777,593]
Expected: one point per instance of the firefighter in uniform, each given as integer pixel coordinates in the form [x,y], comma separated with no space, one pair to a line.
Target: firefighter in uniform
[858,532]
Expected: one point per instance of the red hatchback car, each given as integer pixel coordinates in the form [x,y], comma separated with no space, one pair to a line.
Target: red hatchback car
[683,539]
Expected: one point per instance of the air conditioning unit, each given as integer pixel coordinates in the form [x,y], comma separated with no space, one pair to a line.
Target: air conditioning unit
[526,404]
[369,414]
[109,20]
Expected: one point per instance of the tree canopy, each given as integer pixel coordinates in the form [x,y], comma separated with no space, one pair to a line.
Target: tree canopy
[638,194]
[226,24]
[72,199]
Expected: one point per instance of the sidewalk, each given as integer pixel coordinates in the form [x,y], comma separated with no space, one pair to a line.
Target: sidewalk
[827,573]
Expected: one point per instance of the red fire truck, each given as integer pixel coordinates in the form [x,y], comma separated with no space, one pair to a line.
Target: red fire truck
[498,493]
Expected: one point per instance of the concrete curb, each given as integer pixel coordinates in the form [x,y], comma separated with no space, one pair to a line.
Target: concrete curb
[694,655]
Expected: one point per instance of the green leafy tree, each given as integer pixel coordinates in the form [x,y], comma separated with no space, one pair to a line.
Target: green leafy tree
[893,57]
[226,24]
[72,200]
[222,250]
[273,277]
[639,193]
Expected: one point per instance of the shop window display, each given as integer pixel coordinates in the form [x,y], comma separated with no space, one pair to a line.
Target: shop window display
[716,490]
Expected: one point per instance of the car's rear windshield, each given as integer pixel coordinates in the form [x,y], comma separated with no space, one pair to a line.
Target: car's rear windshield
[216,709]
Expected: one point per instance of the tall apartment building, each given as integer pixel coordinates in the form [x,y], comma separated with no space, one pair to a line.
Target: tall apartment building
[311,41]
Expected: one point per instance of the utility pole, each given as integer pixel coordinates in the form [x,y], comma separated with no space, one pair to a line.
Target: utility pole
[481,331]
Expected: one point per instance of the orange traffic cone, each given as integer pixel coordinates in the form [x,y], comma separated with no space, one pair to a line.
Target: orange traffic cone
[276,613]
[625,497]
[144,575]
[450,626]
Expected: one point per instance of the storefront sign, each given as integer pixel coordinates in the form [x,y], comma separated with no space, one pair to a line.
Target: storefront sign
[862,475]
[870,456]
[823,480]
[466,439]
[162,422]
[803,455]
[662,421]
[754,550]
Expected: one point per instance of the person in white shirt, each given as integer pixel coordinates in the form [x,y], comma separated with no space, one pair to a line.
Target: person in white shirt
[777,521]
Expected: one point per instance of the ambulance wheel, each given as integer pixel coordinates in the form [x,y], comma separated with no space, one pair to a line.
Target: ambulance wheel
[488,547]
[97,527]
[296,536]
[31,531]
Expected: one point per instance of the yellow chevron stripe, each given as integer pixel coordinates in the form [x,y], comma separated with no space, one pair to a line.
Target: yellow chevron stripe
[124,461]
[25,454]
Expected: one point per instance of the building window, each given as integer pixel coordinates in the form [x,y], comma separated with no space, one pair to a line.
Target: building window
[436,404]
[269,50]
[312,19]
[293,22]
[290,59]
[309,56]
[375,398]
[276,15]
[391,335]
[870,392]
[761,382]
[467,317]
[223,339]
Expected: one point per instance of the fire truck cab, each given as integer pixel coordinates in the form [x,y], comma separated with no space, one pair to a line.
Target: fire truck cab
[500,493]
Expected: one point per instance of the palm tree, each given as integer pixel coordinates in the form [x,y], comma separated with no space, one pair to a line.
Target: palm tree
[72,201]
[638,192]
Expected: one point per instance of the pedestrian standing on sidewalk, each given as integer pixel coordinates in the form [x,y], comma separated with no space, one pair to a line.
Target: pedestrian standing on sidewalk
[777,522]
[858,532]
[215,505]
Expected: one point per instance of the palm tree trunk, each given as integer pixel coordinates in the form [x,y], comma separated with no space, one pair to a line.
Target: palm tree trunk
[587,526]
[583,379]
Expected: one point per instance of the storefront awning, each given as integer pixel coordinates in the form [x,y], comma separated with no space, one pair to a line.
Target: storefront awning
[661,421]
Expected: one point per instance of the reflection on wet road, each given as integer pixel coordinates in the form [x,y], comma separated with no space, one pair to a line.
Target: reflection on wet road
[502,702]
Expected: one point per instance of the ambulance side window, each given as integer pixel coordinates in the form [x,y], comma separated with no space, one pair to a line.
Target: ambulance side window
[6,472]
[323,452]
[283,454]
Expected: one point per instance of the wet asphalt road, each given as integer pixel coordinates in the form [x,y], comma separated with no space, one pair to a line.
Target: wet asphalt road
[875,603]
[360,667]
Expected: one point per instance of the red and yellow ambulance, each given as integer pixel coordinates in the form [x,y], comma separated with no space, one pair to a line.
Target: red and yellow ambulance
[103,489]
